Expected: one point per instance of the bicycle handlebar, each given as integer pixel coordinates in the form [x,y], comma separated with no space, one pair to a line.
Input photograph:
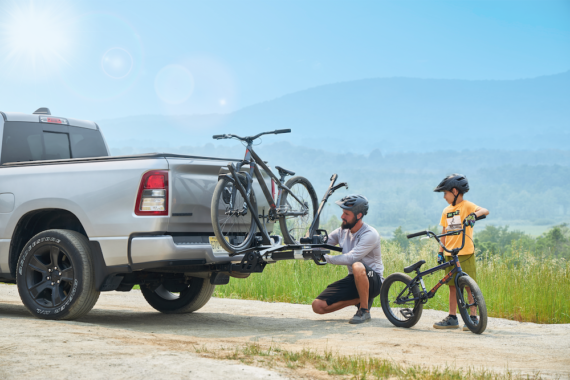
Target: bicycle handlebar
[250,138]
[431,234]
[416,234]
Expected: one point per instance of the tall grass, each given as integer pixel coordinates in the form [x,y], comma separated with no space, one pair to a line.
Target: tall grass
[520,287]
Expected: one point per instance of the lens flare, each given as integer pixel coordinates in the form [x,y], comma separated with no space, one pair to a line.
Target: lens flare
[117,63]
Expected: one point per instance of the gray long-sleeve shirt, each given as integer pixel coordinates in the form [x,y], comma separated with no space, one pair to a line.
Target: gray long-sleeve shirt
[363,246]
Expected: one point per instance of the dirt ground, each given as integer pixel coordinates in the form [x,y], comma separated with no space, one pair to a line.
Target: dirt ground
[123,337]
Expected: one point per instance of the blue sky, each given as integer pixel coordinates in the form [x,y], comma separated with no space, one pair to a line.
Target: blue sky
[107,59]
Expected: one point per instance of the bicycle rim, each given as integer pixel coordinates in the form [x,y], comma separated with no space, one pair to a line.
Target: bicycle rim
[296,227]
[469,295]
[233,229]
[401,311]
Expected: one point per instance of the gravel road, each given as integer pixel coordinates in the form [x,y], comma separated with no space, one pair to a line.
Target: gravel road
[123,337]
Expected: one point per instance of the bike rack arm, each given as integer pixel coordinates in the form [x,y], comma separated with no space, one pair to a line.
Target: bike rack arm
[328,193]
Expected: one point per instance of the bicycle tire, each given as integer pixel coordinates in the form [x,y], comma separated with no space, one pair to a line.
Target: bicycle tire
[392,286]
[234,233]
[295,227]
[481,307]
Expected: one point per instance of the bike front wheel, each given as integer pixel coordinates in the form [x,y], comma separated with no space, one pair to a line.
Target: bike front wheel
[297,217]
[397,300]
[232,220]
[471,307]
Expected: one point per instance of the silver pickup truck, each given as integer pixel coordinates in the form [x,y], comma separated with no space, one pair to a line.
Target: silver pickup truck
[75,221]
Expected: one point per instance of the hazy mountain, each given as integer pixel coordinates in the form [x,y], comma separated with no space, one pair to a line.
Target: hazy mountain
[390,114]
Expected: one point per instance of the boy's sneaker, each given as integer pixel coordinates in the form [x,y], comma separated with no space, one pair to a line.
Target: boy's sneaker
[474,319]
[447,323]
[361,316]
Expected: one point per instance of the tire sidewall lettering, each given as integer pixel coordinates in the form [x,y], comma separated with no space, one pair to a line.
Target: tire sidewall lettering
[29,248]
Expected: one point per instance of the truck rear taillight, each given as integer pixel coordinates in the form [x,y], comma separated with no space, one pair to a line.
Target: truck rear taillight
[152,198]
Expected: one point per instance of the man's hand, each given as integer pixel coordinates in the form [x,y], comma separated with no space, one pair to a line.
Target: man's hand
[470,220]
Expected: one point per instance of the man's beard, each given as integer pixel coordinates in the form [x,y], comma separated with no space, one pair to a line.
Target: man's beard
[348,225]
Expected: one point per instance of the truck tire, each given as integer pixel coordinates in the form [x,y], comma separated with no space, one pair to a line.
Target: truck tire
[192,298]
[55,275]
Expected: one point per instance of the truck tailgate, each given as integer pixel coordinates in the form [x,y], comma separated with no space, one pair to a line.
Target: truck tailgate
[192,183]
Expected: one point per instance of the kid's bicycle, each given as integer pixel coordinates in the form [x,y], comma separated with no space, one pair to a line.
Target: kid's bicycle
[403,298]
[235,217]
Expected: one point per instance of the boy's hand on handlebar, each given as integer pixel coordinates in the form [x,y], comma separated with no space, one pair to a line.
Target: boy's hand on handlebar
[440,259]
[470,220]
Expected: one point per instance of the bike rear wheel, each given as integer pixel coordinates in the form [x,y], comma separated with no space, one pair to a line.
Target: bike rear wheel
[477,308]
[233,229]
[405,313]
[294,227]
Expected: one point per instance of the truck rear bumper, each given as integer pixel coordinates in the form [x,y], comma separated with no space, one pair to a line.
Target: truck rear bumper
[155,251]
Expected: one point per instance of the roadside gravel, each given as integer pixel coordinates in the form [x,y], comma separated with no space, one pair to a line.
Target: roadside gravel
[123,337]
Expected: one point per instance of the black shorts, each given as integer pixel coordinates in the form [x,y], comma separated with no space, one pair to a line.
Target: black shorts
[345,289]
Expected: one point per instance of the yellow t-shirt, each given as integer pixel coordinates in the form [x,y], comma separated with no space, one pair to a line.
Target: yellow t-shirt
[452,219]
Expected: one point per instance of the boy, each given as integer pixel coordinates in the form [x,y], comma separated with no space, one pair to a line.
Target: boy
[458,211]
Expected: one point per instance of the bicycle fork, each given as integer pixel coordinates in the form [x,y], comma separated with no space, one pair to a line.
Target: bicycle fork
[264,236]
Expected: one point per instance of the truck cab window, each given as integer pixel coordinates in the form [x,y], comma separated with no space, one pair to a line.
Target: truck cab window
[56,146]
[25,141]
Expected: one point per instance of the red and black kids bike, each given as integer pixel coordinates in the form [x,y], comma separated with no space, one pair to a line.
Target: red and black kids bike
[403,297]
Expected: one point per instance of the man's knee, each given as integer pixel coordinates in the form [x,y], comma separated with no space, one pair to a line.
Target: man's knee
[358,269]
[319,306]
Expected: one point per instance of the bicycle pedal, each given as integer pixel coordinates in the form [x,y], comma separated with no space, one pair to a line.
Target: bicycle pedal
[407,313]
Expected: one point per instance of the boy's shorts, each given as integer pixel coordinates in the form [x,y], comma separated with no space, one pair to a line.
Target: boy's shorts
[345,289]
[467,265]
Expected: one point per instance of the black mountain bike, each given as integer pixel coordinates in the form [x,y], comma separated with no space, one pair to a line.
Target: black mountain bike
[235,216]
[403,298]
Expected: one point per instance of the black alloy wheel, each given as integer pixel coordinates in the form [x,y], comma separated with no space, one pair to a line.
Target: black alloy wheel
[50,276]
[55,275]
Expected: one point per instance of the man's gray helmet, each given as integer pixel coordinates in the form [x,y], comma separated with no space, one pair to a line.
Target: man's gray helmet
[457,181]
[355,203]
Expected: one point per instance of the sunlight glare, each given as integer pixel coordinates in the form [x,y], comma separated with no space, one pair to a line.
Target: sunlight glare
[36,36]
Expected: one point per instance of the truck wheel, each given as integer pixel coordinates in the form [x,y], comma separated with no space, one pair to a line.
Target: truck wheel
[190,299]
[55,275]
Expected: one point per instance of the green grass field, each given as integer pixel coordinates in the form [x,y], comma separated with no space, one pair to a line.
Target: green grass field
[521,288]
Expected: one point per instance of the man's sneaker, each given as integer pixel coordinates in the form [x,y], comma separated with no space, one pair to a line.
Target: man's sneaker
[474,319]
[361,316]
[447,323]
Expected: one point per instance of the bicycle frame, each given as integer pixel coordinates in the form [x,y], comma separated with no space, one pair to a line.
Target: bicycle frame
[252,160]
[419,279]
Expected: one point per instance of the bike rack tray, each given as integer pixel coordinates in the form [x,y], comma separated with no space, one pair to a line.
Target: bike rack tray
[256,258]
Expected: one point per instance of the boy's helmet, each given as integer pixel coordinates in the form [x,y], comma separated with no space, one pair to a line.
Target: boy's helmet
[355,203]
[458,181]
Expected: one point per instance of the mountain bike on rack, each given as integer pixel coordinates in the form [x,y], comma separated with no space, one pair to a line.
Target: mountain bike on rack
[234,211]
[403,300]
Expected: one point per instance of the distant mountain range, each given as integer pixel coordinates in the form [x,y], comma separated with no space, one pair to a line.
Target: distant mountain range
[389,114]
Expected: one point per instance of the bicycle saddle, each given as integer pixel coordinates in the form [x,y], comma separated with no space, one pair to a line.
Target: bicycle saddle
[284,172]
[415,266]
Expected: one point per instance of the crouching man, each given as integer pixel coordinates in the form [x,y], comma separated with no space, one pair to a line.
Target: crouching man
[361,254]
